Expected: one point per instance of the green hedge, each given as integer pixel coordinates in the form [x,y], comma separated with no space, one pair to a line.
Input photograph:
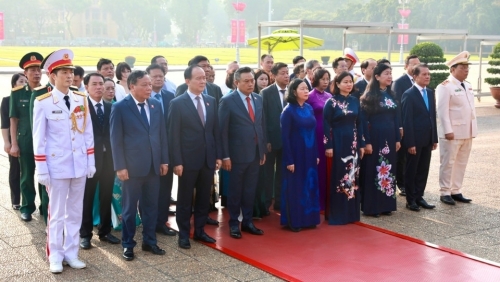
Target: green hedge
[432,54]
[495,63]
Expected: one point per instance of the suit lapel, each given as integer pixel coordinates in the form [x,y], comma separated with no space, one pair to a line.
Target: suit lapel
[421,98]
[153,111]
[135,110]
[258,107]
[277,98]
[61,103]
[190,106]
[241,105]
[93,114]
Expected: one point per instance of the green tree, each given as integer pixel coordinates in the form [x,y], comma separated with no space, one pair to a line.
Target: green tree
[190,19]
[69,10]
[431,54]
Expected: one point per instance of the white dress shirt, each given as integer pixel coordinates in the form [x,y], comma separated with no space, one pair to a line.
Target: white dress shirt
[195,102]
[146,106]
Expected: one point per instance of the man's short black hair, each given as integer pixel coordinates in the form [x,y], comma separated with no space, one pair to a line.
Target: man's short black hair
[103,62]
[297,59]
[134,76]
[153,60]
[297,68]
[79,71]
[407,60]
[238,72]
[383,61]
[335,63]
[277,66]
[154,67]
[120,68]
[196,60]
[86,79]
[417,69]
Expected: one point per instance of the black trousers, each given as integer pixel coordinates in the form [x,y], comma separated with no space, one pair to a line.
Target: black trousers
[14,180]
[164,195]
[105,178]
[202,179]
[243,179]
[400,169]
[416,173]
[273,177]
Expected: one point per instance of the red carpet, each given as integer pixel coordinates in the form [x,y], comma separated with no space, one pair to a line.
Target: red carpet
[355,252]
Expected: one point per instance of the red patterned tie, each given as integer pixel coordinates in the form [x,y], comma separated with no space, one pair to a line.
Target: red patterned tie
[250,110]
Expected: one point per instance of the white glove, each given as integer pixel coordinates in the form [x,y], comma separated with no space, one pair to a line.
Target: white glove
[90,171]
[44,179]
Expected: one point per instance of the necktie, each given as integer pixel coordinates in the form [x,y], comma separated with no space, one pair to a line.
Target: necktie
[283,96]
[143,113]
[158,96]
[199,108]
[426,100]
[100,113]
[250,110]
[461,83]
[66,98]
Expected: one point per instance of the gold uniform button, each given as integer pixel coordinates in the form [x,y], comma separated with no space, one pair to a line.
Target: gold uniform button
[73,150]
[53,155]
[73,139]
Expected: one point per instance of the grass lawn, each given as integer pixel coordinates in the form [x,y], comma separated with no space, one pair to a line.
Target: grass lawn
[88,56]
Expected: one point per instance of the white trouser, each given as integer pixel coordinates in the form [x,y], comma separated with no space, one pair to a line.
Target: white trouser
[454,155]
[64,218]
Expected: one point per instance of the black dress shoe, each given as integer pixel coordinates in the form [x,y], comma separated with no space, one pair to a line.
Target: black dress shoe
[422,203]
[154,249]
[211,221]
[460,198]
[165,230]
[16,207]
[387,213]
[203,237]
[26,216]
[171,212]
[172,201]
[128,254]
[110,239]
[235,232]
[402,191]
[372,214]
[250,228]
[295,229]
[447,200]
[267,213]
[277,208]
[412,206]
[184,244]
[85,243]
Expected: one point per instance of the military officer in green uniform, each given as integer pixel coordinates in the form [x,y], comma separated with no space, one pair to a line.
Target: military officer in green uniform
[20,127]
[44,196]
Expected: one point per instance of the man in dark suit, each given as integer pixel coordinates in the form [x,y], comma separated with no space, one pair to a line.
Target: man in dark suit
[194,140]
[157,74]
[140,156]
[274,101]
[242,125]
[309,68]
[399,86]
[105,175]
[367,67]
[419,123]
[210,89]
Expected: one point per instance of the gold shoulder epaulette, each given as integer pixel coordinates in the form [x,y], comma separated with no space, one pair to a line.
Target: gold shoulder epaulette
[17,88]
[80,93]
[445,82]
[40,87]
[73,88]
[46,95]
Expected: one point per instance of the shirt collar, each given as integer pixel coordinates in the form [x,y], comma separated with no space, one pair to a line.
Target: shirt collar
[243,96]
[95,102]
[419,87]
[279,89]
[410,77]
[137,102]
[193,96]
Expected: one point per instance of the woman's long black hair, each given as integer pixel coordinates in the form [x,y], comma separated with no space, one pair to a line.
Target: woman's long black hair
[370,100]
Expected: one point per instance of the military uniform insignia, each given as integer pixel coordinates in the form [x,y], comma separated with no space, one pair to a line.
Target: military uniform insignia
[33,58]
[445,82]
[40,87]
[57,112]
[79,93]
[73,88]
[458,90]
[46,95]
[66,57]
[17,88]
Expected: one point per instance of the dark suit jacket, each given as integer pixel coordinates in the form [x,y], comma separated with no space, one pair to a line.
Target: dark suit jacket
[166,96]
[272,112]
[193,145]
[212,90]
[419,123]
[135,146]
[101,134]
[238,131]
[399,86]
[309,86]
[360,87]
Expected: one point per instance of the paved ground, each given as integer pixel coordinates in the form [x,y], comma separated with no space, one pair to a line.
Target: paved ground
[470,228]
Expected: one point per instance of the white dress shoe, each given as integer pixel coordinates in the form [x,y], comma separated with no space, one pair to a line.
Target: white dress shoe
[75,263]
[56,267]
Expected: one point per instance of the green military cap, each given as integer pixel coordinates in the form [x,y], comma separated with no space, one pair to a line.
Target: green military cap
[32,59]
